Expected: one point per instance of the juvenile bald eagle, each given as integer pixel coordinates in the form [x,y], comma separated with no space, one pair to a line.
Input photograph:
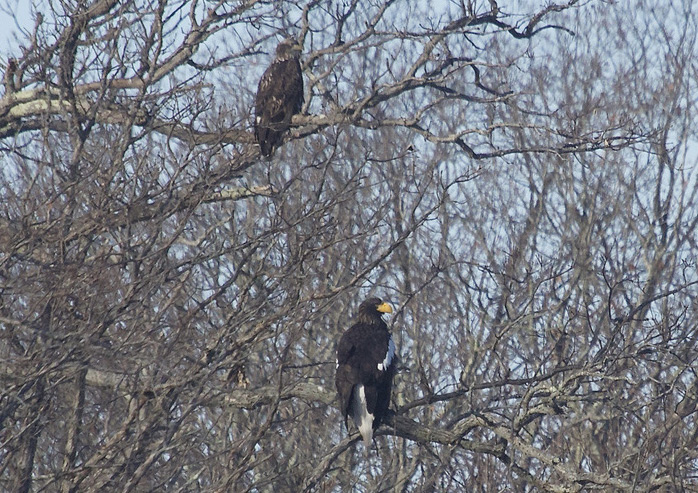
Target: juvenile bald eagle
[279,97]
[366,363]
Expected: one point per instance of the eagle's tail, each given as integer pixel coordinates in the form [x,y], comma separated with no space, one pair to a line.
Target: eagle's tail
[362,418]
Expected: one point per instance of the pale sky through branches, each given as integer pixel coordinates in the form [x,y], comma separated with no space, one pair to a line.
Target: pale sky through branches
[517,179]
[13,18]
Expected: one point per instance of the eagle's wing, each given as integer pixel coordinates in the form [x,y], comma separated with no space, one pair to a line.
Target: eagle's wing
[279,95]
[364,356]
[347,373]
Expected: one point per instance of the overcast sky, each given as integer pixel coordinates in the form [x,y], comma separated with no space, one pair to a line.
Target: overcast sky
[13,15]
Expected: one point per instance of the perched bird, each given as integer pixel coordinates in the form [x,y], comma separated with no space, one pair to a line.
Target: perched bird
[279,97]
[366,361]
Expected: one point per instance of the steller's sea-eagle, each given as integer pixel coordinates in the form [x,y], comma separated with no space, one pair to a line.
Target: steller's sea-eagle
[366,363]
[279,97]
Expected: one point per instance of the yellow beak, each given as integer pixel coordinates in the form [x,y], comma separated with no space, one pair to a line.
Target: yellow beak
[384,308]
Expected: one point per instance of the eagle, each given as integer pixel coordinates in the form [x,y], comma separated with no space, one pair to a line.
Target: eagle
[279,97]
[366,361]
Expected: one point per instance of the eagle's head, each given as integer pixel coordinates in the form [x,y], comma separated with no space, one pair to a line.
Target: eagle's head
[373,309]
[288,48]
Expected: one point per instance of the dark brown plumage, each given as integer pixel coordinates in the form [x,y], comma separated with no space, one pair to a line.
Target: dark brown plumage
[366,360]
[279,97]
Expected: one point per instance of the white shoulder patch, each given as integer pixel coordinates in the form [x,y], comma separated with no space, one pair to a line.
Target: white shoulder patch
[388,356]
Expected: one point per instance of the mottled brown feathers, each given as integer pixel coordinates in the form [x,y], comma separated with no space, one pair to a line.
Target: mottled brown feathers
[279,97]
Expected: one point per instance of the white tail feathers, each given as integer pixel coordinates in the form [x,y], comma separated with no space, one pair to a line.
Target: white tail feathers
[362,418]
